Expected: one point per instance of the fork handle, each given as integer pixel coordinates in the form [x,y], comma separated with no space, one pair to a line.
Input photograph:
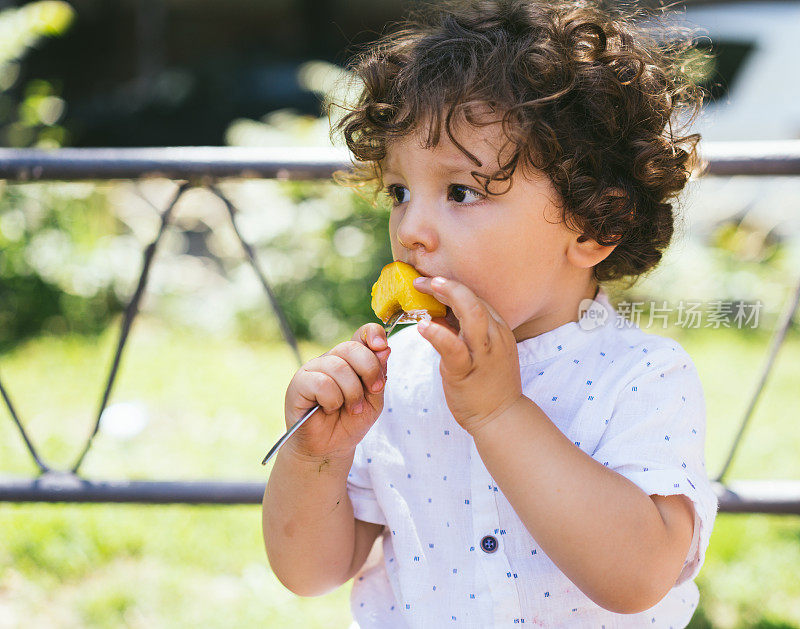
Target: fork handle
[388,327]
[288,434]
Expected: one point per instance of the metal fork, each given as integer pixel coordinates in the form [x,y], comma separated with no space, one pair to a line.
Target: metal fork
[388,326]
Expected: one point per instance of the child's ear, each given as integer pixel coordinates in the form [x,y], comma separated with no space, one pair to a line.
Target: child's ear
[585,252]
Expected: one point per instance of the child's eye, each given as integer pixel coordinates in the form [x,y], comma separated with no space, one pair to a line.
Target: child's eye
[398,194]
[460,194]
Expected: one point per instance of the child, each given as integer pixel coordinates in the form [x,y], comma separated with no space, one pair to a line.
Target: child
[524,459]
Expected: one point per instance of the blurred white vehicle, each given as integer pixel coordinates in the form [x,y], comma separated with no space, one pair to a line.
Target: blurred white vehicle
[758,65]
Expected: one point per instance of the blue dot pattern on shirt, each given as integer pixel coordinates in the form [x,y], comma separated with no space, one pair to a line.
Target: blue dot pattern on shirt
[601,424]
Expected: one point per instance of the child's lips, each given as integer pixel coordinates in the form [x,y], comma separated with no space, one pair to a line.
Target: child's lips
[449,318]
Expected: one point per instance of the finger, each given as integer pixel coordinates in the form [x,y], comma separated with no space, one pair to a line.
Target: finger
[315,387]
[339,371]
[455,355]
[471,311]
[363,362]
[372,335]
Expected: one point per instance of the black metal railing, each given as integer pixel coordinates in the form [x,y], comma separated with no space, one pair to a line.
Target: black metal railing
[204,167]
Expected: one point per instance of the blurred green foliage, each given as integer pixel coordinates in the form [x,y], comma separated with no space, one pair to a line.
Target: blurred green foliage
[30,112]
[51,278]
[336,262]
[29,116]
[63,246]
[70,256]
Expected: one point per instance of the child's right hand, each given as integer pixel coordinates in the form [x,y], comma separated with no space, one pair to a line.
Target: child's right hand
[348,384]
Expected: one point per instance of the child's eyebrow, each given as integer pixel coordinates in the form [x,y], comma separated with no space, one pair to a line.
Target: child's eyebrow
[449,168]
[443,168]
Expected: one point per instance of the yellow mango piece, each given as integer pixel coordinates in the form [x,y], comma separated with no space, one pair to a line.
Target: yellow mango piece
[395,291]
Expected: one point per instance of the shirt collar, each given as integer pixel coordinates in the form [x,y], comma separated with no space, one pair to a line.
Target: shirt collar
[569,336]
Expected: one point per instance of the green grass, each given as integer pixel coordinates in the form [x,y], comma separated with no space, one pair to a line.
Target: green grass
[215,406]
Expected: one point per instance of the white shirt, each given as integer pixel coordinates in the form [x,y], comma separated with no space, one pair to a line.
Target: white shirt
[631,400]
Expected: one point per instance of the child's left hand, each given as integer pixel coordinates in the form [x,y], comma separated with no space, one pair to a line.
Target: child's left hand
[480,364]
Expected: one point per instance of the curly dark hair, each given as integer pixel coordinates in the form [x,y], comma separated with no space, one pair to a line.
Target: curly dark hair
[587,94]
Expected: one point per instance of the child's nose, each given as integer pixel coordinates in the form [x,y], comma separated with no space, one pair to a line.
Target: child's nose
[417,227]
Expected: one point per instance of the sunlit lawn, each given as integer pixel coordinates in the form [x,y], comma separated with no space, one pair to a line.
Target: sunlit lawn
[215,405]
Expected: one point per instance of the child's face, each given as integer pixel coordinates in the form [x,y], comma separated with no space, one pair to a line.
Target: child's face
[511,249]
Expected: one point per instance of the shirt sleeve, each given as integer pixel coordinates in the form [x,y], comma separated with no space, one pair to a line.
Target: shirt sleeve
[655,438]
[360,491]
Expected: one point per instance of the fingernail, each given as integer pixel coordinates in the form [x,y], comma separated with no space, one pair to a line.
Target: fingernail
[437,282]
[379,342]
[358,407]
[377,386]
[418,281]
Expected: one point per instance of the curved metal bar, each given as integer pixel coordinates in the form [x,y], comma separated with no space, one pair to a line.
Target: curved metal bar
[130,313]
[775,344]
[43,467]
[286,329]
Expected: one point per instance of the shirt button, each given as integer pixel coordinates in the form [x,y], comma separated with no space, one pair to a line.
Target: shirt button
[489,544]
